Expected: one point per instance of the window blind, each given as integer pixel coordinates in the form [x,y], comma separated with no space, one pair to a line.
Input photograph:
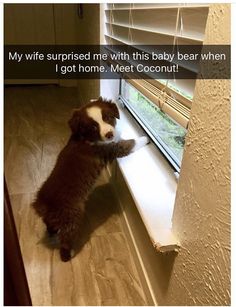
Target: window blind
[142,24]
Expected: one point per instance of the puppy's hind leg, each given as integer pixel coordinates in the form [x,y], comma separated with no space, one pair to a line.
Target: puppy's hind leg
[52,230]
[66,235]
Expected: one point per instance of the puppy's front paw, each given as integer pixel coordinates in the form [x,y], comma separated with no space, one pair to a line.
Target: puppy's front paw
[140,142]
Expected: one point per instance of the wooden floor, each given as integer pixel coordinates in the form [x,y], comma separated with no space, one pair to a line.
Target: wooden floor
[103,272]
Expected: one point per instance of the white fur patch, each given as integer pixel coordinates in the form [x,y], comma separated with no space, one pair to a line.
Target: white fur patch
[96,114]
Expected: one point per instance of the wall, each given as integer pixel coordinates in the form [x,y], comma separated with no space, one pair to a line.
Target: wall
[89,33]
[72,29]
[109,88]
[54,24]
[32,24]
[201,272]
[28,24]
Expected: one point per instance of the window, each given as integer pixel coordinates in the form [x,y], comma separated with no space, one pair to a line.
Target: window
[166,133]
[161,106]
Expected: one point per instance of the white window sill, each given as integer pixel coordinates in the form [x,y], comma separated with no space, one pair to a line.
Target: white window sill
[152,184]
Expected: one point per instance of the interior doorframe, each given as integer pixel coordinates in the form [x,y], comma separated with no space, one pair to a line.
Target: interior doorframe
[16,289]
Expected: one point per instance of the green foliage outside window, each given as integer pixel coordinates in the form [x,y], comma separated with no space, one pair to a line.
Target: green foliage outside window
[160,124]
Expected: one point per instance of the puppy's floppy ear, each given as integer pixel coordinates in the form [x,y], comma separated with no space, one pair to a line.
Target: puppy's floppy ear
[114,109]
[74,122]
[112,106]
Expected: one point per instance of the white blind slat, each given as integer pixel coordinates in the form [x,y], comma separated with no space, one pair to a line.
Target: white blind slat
[153,6]
[153,24]
[191,66]
[180,36]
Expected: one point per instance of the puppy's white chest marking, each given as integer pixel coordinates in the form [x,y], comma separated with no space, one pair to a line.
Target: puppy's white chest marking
[96,114]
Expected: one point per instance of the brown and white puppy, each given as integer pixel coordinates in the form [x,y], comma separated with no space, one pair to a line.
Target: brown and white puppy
[60,201]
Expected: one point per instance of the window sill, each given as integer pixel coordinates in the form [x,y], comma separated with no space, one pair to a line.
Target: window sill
[152,184]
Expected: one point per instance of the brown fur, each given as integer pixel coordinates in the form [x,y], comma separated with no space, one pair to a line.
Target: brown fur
[60,201]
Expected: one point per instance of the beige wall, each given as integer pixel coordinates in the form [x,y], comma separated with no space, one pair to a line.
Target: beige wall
[201,272]
[89,33]
[71,29]
[54,24]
